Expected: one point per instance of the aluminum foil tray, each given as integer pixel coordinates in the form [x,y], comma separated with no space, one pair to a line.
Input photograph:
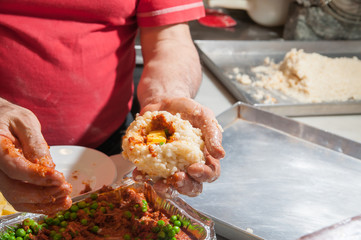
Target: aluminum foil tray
[280,179]
[221,57]
[200,227]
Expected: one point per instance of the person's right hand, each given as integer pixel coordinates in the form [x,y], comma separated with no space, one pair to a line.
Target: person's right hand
[28,179]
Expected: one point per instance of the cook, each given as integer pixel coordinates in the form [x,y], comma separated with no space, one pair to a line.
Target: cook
[66,77]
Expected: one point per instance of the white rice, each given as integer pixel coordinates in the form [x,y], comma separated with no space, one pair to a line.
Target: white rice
[157,160]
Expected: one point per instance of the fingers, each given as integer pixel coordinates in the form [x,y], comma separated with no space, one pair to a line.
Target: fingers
[17,167]
[45,208]
[138,175]
[199,116]
[179,181]
[185,185]
[32,198]
[18,191]
[208,172]
[27,129]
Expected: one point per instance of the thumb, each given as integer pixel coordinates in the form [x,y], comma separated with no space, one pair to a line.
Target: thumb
[33,144]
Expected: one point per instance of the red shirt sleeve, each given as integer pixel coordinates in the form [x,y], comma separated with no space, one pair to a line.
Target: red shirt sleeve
[151,13]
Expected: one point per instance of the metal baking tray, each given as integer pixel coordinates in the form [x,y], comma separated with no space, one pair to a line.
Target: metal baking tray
[200,226]
[280,179]
[221,57]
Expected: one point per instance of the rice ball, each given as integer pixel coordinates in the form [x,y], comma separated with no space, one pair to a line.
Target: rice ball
[161,144]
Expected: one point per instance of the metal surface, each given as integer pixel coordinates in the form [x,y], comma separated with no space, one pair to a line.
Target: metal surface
[221,57]
[280,178]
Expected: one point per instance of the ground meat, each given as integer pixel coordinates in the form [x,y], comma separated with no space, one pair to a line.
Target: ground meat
[124,214]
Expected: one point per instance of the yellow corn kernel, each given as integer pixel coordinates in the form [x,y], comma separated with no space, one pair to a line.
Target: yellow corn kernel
[157,136]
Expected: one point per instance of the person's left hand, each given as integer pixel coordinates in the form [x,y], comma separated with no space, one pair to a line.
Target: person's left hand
[191,182]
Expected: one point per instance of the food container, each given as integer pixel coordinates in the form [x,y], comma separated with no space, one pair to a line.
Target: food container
[200,226]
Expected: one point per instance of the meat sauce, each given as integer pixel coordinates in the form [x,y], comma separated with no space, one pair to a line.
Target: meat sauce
[124,214]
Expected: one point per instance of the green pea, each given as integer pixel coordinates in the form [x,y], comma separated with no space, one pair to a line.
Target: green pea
[67,215]
[161,223]
[161,234]
[136,205]
[144,208]
[84,221]
[111,206]
[171,233]
[173,218]
[49,221]
[28,222]
[103,210]
[27,237]
[173,238]
[177,223]
[64,224]
[168,227]
[74,208]
[82,204]
[127,237]
[95,229]
[73,215]
[52,233]
[94,205]
[93,196]
[127,214]
[60,217]
[92,212]
[176,229]
[62,230]
[29,231]
[19,238]
[12,238]
[57,236]
[86,210]
[144,202]
[35,227]
[20,232]
[5,236]
[44,225]
[56,222]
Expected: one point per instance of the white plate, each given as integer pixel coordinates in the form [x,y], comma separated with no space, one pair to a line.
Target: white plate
[82,166]
[124,167]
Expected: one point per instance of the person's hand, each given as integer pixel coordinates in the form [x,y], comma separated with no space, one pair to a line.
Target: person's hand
[28,179]
[191,183]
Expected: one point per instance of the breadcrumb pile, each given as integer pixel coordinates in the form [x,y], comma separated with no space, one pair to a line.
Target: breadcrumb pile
[310,77]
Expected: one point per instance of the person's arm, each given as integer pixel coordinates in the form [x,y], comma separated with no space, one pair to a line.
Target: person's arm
[171,77]
[27,175]
[171,64]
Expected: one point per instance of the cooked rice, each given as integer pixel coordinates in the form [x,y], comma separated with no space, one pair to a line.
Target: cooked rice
[184,144]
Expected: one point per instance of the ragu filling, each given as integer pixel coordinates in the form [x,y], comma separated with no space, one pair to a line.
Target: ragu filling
[125,214]
[159,131]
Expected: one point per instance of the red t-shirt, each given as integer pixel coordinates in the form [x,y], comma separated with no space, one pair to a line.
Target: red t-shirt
[71,61]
